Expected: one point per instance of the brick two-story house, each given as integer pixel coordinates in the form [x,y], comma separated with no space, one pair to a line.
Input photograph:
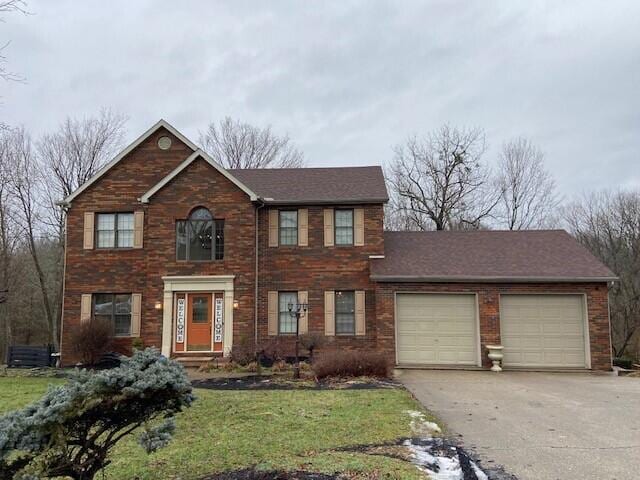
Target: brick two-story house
[194,259]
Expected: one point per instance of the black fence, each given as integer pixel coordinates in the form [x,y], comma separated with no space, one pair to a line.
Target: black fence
[29,356]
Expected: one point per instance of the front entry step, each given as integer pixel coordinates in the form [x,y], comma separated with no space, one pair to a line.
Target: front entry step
[195,359]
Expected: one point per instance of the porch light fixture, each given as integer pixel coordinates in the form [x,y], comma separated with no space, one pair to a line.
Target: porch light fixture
[236,304]
[158,306]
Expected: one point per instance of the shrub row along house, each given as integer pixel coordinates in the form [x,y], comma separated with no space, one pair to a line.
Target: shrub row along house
[192,258]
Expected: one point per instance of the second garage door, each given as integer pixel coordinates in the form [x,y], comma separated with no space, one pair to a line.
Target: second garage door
[436,329]
[543,330]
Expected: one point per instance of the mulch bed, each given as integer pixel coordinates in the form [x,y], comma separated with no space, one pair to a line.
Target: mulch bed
[250,474]
[256,382]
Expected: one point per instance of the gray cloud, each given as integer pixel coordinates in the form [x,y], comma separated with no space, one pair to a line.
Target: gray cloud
[346,80]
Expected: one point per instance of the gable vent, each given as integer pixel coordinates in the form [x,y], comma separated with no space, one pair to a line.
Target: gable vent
[164,143]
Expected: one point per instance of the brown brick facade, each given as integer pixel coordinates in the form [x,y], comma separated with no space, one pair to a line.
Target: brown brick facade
[313,268]
[317,269]
[489,312]
[141,270]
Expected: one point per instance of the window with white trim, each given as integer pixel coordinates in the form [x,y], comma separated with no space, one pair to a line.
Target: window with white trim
[345,312]
[288,227]
[344,227]
[114,230]
[200,237]
[116,309]
[286,321]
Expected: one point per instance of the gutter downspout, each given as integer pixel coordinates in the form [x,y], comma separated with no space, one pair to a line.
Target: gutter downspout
[65,207]
[255,301]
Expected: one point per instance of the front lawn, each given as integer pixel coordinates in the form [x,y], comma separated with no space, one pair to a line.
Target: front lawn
[280,430]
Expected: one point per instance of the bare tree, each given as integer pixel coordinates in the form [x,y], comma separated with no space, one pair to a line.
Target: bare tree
[8,241]
[32,226]
[71,155]
[608,224]
[529,198]
[235,144]
[8,6]
[24,188]
[67,158]
[440,182]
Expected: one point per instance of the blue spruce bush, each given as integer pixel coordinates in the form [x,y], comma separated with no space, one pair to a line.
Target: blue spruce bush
[71,430]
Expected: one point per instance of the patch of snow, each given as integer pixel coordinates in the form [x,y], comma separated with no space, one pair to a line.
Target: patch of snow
[479,473]
[434,427]
[420,425]
[438,467]
[414,413]
[434,456]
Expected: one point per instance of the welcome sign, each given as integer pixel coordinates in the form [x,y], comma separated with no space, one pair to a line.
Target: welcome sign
[217,326]
[180,321]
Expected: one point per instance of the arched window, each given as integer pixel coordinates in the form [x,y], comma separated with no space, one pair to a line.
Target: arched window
[200,213]
[200,237]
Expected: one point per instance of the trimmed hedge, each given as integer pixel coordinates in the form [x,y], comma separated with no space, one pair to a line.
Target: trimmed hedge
[346,363]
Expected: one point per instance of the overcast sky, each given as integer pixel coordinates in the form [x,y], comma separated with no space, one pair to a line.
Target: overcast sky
[346,80]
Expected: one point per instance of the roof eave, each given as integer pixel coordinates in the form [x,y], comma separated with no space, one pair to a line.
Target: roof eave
[489,279]
[325,202]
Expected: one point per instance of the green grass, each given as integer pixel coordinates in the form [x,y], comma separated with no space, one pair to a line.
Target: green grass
[228,430]
[16,392]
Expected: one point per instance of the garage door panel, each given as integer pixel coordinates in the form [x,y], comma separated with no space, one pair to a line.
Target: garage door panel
[532,358]
[543,330]
[436,329]
[417,356]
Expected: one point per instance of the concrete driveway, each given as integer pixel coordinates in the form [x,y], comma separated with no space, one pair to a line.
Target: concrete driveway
[539,426]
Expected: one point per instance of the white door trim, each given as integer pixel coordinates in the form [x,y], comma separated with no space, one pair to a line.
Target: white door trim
[196,283]
[432,292]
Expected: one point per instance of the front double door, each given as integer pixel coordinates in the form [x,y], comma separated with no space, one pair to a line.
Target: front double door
[204,315]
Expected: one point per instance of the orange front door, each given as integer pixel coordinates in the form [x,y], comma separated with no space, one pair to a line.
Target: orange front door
[199,322]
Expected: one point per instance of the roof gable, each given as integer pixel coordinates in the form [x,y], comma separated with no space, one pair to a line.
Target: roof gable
[180,168]
[138,141]
[159,124]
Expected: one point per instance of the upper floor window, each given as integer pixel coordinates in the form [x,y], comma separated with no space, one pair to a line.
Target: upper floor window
[114,230]
[200,237]
[288,227]
[116,309]
[345,313]
[344,227]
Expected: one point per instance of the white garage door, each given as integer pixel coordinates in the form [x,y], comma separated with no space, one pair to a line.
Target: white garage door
[543,330]
[436,329]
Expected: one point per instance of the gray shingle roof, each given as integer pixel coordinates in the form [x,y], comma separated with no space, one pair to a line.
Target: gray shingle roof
[535,255]
[316,185]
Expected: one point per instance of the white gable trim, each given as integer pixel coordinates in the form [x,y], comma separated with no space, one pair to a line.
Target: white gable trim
[176,171]
[126,151]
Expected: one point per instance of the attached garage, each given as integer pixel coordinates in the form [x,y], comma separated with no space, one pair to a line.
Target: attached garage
[442,297]
[543,331]
[436,329]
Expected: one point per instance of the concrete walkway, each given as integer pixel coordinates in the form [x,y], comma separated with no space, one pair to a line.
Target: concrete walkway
[539,426]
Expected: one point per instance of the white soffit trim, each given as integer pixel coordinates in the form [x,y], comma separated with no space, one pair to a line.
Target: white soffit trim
[126,151]
[176,171]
